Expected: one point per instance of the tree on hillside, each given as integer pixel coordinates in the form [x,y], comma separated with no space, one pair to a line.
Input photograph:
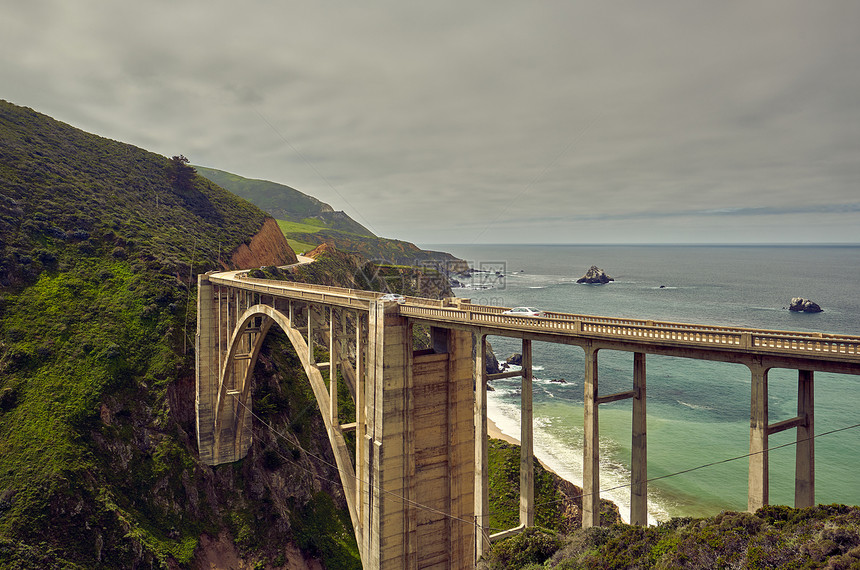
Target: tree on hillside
[180,175]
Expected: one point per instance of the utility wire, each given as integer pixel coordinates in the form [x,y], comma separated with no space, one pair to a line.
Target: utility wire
[417,504]
[713,463]
[411,502]
[333,466]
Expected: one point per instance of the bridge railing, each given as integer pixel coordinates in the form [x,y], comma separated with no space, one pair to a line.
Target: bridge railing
[828,344]
[320,293]
[639,329]
[461,311]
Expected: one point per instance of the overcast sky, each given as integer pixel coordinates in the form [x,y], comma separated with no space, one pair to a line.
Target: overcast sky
[487,121]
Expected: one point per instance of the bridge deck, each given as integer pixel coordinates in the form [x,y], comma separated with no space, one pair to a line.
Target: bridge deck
[842,352]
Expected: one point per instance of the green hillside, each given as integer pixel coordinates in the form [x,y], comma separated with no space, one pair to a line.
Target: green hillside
[100,244]
[285,203]
[307,223]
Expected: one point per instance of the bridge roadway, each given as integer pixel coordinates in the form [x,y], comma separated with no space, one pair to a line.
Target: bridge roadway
[759,350]
[835,353]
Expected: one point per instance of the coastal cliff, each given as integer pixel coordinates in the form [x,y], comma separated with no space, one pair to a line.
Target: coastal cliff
[267,247]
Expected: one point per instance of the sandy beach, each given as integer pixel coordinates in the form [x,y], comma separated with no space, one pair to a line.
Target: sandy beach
[494,432]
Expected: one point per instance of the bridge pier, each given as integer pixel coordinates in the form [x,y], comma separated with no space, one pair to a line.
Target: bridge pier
[482,486]
[591,448]
[758,491]
[804,475]
[591,444]
[639,450]
[527,464]
[421,441]
[760,430]
[217,313]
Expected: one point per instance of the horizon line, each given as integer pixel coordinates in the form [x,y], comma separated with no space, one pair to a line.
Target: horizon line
[662,244]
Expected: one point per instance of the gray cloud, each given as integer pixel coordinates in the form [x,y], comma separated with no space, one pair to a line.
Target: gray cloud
[481,121]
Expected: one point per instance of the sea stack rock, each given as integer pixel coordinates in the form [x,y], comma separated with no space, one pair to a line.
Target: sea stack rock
[799,304]
[595,275]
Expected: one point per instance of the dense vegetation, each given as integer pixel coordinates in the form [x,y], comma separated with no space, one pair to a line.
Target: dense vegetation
[558,502]
[826,536]
[100,243]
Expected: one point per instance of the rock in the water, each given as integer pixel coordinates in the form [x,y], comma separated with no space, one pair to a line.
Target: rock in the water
[799,304]
[595,275]
[515,359]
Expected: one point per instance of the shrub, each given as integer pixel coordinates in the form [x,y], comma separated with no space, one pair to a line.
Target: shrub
[531,546]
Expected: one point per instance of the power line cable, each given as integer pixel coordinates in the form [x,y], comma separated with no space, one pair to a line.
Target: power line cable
[417,504]
[711,464]
[333,466]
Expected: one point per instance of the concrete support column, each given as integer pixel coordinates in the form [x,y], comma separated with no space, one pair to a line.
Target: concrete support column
[639,450]
[482,497]
[207,353]
[360,420]
[804,478]
[332,369]
[310,334]
[591,445]
[463,448]
[527,473]
[390,465]
[758,468]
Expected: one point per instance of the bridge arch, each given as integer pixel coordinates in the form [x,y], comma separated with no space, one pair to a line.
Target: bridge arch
[249,333]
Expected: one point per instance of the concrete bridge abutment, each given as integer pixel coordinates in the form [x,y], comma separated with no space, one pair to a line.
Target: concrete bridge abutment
[411,487]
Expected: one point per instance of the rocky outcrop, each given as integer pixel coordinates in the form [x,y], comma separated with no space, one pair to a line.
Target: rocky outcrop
[267,247]
[491,363]
[327,249]
[801,305]
[595,275]
[516,359]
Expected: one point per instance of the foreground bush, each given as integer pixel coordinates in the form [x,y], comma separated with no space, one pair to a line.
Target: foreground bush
[825,536]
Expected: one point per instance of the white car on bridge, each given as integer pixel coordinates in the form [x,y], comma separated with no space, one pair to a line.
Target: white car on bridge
[524,312]
[396,297]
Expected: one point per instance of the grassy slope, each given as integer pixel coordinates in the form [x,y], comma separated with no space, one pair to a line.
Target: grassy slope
[285,203]
[97,453]
[95,245]
[306,224]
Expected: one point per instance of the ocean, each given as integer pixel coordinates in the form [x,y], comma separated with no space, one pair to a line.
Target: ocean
[698,411]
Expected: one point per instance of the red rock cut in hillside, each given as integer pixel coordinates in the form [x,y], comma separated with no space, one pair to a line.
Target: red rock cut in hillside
[268,247]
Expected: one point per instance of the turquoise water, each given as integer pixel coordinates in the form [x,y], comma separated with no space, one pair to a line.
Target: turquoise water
[698,411]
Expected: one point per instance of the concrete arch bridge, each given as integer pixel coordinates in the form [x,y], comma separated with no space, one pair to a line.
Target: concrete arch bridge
[417,490]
